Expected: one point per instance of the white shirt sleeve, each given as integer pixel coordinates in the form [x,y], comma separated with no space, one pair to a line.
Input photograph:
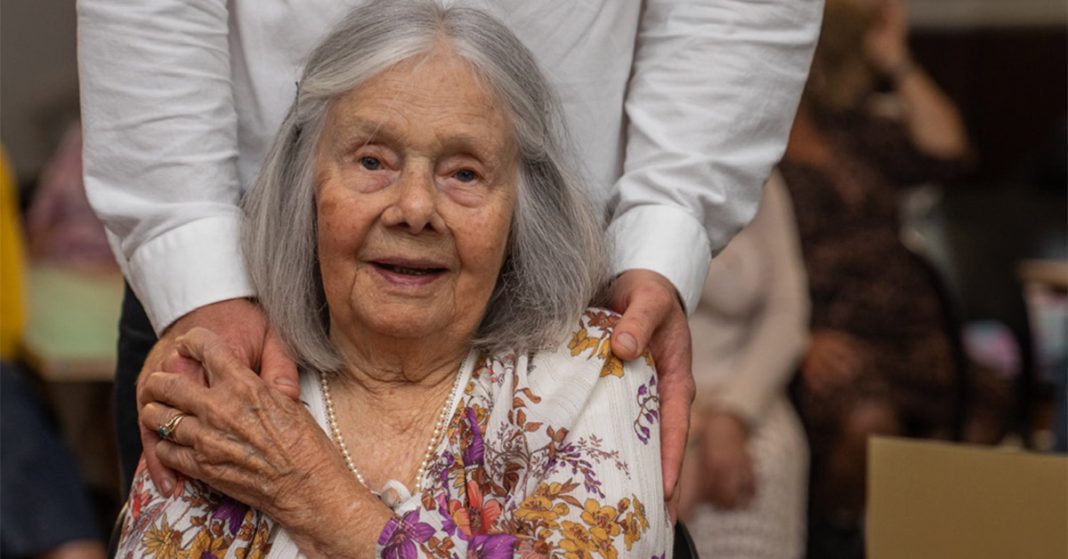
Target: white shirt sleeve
[713,92]
[161,148]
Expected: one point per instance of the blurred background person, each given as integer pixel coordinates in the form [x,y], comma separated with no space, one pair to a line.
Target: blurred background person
[60,224]
[44,510]
[882,353]
[746,471]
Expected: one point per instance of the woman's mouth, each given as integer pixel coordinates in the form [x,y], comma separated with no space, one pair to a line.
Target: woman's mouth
[409,273]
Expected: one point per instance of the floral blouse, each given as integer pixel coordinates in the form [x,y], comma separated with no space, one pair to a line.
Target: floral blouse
[553,454]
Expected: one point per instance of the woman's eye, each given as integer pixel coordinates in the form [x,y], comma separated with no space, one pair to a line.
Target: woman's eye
[370,163]
[466,175]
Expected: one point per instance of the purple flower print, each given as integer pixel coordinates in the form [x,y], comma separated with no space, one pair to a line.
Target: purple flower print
[448,525]
[475,451]
[648,412]
[231,513]
[493,546]
[400,535]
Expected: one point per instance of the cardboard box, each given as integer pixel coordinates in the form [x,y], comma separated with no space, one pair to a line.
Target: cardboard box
[939,500]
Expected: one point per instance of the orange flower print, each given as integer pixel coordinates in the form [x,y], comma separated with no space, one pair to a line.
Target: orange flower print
[539,508]
[162,541]
[601,520]
[599,347]
[577,542]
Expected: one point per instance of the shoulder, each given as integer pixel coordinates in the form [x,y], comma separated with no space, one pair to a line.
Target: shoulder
[573,382]
[581,368]
[589,347]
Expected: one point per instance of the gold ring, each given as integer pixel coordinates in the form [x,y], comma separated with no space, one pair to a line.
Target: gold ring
[166,430]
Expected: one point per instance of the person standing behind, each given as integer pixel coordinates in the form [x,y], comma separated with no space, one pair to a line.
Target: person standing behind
[678,110]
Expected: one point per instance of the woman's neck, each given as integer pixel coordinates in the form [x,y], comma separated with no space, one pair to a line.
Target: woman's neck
[396,381]
[388,404]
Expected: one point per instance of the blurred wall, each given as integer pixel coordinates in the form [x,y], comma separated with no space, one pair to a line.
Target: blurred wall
[978,13]
[1005,64]
[38,79]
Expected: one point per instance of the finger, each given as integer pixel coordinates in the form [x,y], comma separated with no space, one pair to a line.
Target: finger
[162,476]
[276,367]
[176,391]
[647,306]
[673,508]
[673,427]
[189,368]
[218,359]
[689,491]
[671,351]
[180,458]
[154,415]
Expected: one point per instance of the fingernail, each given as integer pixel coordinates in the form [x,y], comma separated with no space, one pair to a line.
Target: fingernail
[628,342]
[168,486]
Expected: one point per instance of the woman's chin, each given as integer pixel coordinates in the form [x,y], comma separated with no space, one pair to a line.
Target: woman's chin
[409,321]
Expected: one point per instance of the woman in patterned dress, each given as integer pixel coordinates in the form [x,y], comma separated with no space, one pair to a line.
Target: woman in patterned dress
[426,255]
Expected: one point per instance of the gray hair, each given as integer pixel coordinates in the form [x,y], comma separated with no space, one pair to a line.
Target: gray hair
[555,262]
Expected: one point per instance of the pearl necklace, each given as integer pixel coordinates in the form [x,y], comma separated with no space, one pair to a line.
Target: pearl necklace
[439,426]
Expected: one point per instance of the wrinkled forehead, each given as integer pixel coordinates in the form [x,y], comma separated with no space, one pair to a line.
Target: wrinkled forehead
[439,92]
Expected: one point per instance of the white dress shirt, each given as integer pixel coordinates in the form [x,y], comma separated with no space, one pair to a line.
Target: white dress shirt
[677,111]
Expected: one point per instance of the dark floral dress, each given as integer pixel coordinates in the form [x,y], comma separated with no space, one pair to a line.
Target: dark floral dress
[863,281]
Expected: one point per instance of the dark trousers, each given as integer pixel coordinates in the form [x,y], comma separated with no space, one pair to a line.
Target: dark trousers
[136,339]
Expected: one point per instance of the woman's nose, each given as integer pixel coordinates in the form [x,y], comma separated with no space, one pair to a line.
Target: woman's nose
[415,206]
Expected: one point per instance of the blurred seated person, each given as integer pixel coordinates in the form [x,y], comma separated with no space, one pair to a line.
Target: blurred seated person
[60,224]
[44,509]
[880,359]
[746,472]
[428,258]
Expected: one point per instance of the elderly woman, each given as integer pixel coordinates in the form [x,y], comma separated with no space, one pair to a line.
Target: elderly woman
[427,256]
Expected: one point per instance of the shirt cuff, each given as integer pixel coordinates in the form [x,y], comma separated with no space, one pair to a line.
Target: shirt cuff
[666,240]
[188,267]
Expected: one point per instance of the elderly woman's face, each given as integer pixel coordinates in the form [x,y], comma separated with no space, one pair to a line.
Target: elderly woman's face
[416,184]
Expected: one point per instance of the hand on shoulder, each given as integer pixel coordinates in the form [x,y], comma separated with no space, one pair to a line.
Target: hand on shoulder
[653,318]
[243,327]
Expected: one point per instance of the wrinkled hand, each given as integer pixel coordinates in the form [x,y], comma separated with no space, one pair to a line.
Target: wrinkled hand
[653,318]
[729,479]
[238,435]
[833,359]
[259,446]
[243,327]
